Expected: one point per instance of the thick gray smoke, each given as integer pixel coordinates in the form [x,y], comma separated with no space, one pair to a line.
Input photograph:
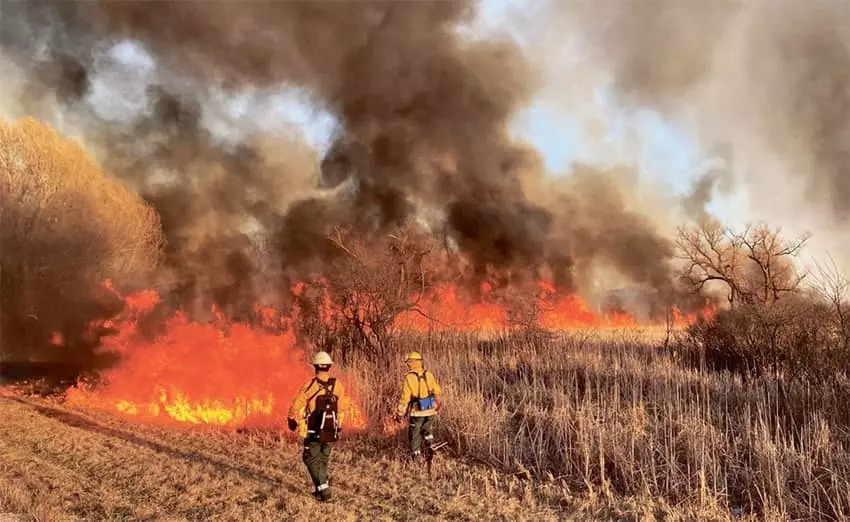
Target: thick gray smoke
[800,61]
[422,113]
[716,178]
[770,78]
[423,120]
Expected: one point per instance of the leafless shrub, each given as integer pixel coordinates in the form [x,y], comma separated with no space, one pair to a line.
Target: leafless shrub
[366,287]
[774,324]
[796,339]
[834,287]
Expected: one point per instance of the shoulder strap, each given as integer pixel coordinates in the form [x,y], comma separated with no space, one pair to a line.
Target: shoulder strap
[331,384]
[419,379]
[312,382]
[311,397]
[416,375]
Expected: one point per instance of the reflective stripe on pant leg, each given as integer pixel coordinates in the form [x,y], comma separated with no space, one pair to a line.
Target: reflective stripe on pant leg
[426,431]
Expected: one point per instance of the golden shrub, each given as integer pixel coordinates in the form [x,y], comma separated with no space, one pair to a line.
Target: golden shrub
[65,227]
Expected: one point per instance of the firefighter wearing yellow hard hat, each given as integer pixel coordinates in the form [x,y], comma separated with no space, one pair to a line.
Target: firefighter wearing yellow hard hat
[316,412]
[420,400]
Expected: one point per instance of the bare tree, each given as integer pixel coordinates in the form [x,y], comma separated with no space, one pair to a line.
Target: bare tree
[756,265]
[710,255]
[772,270]
[370,286]
[834,286]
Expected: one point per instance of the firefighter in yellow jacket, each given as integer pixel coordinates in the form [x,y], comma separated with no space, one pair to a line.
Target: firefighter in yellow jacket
[317,413]
[420,397]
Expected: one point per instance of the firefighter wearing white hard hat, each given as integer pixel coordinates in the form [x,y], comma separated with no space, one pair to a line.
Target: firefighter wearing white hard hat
[317,413]
[420,401]
[323,359]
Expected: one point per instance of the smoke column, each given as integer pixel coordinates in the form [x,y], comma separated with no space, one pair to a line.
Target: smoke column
[767,81]
[422,116]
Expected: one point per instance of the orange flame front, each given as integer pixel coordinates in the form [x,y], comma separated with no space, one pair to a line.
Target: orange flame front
[447,308]
[234,374]
[681,320]
[223,373]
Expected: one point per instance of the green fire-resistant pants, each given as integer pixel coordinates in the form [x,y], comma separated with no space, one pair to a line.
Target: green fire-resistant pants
[316,456]
[418,432]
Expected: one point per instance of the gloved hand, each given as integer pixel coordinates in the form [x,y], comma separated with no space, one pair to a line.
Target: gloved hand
[293,424]
[397,418]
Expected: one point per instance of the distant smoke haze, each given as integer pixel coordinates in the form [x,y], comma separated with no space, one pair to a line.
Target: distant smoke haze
[768,81]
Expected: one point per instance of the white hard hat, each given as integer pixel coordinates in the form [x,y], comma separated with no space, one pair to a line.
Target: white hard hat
[322,359]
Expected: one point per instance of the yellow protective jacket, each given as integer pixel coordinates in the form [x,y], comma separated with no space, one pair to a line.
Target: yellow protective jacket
[305,401]
[417,383]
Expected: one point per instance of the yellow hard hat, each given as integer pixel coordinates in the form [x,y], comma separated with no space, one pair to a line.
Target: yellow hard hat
[322,359]
[413,356]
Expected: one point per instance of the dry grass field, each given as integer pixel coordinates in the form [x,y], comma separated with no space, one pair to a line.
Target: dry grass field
[63,464]
[611,414]
[589,426]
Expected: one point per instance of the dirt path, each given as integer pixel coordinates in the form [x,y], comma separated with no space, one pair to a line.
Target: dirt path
[62,464]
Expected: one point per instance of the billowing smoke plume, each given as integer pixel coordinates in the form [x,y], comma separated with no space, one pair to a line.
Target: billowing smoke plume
[769,78]
[717,177]
[422,116]
[211,194]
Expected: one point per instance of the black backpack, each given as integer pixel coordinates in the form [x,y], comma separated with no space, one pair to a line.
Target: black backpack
[322,422]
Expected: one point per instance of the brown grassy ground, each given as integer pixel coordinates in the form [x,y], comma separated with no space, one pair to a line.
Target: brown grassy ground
[63,464]
[591,426]
[59,464]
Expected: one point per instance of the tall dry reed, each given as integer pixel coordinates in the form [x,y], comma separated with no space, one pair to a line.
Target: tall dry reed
[612,414]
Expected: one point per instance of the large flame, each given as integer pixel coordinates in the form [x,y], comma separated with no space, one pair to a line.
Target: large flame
[234,374]
[218,373]
[682,320]
[447,308]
